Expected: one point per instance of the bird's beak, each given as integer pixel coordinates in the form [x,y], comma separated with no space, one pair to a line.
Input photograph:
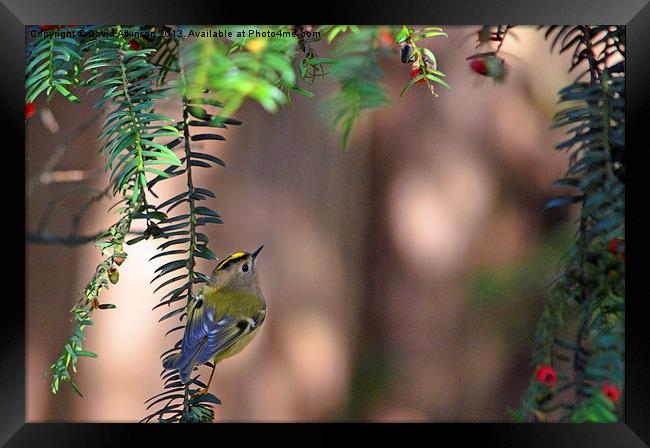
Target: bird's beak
[254,254]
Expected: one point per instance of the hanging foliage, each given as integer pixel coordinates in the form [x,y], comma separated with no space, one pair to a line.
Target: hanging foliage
[136,69]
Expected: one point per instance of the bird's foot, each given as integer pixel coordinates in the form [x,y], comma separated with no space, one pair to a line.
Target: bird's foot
[199,393]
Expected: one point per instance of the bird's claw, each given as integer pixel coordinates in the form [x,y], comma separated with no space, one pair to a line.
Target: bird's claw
[198,393]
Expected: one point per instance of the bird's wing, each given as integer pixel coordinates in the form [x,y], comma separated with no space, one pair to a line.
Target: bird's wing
[229,331]
[207,335]
[200,329]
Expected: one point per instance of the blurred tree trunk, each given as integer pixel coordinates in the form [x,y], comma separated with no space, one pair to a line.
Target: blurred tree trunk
[372,368]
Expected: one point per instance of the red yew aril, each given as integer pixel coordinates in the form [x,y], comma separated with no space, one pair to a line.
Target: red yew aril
[611,392]
[546,375]
[30,110]
[479,66]
[415,72]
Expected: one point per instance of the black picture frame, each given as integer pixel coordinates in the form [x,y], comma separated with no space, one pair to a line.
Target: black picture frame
[15,14]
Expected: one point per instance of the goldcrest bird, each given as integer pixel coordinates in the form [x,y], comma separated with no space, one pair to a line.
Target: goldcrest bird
[223,318]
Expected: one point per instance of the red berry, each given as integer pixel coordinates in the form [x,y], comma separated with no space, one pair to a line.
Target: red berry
[416,72]
[479,66]
[30,110]
[546,375]
[613,393]
[614,246]
[134,44]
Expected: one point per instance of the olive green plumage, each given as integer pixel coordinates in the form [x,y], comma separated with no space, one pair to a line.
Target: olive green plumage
[224,317]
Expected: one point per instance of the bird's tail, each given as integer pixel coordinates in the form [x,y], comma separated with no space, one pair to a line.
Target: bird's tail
[184,363]
[171,362]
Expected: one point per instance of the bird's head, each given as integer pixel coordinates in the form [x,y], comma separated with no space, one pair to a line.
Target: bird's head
[236,271]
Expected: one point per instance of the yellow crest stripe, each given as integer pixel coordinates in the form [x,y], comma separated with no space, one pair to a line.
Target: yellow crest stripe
[233,257]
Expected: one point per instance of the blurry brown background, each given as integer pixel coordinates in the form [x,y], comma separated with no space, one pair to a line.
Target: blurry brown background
[404,276]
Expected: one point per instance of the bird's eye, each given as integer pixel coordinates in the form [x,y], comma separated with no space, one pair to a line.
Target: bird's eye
[244,268]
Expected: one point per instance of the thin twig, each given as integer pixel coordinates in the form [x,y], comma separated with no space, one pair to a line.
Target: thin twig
[501,36]
[54,202]
[65,176]
[70,240]
[190,187]
[74,226]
